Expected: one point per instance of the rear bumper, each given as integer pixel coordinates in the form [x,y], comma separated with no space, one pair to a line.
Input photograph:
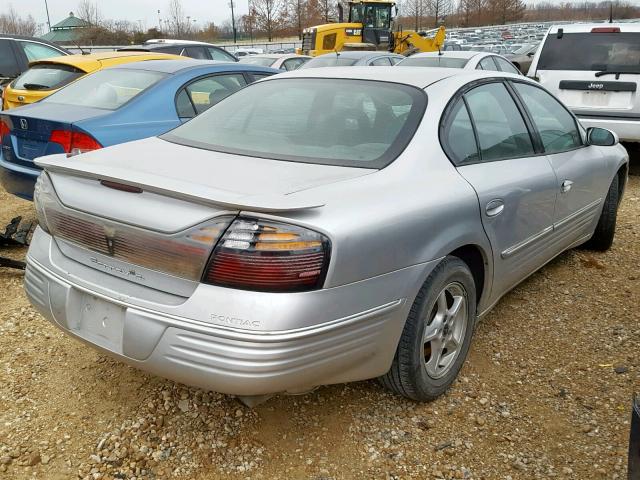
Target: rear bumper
[627,129]
[18,180]
[355,346]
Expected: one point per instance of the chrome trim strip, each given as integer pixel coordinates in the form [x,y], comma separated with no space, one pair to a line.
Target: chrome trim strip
[222,330]
[509,252]
[577,213]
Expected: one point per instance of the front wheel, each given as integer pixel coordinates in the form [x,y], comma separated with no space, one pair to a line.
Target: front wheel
[602,238]
[437,334]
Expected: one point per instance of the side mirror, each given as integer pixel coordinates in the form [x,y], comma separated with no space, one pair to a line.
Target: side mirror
[531,54]
[601,137]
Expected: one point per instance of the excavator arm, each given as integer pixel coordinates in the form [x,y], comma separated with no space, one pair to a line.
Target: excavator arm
[408,42]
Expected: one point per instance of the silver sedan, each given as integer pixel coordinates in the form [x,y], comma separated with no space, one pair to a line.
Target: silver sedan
[320,227]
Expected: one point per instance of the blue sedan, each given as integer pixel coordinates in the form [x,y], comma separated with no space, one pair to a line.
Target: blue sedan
[113,106]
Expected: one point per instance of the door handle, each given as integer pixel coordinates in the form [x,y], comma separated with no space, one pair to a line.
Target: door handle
[566,186]
[494,207]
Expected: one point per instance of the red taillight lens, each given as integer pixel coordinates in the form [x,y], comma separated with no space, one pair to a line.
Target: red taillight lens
[605,30]
[267,256]
[74,142]
[4,130]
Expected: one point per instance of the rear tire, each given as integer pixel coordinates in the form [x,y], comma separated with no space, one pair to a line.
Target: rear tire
[437,334]
[602,238]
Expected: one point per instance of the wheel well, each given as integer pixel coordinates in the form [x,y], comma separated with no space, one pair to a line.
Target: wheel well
[622,174]
[472,256]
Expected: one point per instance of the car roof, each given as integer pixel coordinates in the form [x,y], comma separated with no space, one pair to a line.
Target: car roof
[32,39]
[95,61]
[359,54]
[176,66]
[449,53]
[415,76]
[587,27]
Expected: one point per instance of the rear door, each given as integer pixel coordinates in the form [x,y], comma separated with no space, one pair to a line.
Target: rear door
[586,70]
[486,136]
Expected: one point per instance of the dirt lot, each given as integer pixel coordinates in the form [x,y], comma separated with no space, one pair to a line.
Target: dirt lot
[545,393]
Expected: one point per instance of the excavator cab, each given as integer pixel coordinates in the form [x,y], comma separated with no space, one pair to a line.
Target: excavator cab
[375,18]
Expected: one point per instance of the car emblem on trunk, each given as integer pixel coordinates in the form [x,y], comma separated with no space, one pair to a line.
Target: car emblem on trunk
[23,124]
[109,236]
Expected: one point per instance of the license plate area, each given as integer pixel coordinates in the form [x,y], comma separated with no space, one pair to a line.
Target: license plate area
[101,322]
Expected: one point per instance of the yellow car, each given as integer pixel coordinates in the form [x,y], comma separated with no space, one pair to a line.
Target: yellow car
[50,74]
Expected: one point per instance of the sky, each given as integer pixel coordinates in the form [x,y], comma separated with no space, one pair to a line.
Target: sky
[133,10]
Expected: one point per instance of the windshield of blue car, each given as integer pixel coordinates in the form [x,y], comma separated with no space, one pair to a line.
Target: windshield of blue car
[439,61]
[591,51]
[331,60]
[324,121]
[47,77]
[107,89]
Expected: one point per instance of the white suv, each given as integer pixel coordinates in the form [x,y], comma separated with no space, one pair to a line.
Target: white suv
[595,70]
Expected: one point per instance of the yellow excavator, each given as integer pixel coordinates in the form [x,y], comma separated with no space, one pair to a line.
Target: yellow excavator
[370,27]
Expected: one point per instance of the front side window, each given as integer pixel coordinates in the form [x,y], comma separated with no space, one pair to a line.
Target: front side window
[220,54]
[323,121]
[47,77]
[36,51]
[505,65]
[557,127]
[8,62]
[502,133]
[591,51]
[381,62]
[108,89]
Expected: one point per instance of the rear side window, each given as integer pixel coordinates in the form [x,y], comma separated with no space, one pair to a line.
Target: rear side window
[381,62]
[311,120]
[487,63]
[459,138]
[38,51]
[8,63]
[330,60]
[591,52]
[440,61]
[502,133]
[47,77]
[108,89]
[198,53]
[172,50]
[557,127]
[204,93]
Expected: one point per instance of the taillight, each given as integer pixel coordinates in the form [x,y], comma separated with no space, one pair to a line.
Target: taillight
[74,142]
[4,130]
[605,30]
[267,256]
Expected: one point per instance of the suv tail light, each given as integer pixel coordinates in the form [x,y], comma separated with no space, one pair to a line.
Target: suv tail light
[268,256]
[4,130]
[74,142]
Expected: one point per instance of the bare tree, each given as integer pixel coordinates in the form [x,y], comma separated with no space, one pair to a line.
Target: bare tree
[89,12]
[11,22]
[179,25]
[267,15]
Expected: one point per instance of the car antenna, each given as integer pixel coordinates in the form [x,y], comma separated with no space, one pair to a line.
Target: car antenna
[337,53]
[439,51]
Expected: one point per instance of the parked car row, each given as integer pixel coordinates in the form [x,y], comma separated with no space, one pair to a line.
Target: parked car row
[318,226]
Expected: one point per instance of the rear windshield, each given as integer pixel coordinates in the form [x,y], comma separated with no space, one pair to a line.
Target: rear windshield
[330,61]
[263,61]
[108,89]
[434,62]
[47,77]
[325,121]
[591,52]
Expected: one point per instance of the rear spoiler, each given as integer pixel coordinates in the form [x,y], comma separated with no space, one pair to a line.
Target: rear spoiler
[170,187]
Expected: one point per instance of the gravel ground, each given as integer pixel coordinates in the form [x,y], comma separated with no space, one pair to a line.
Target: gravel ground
[545,393]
